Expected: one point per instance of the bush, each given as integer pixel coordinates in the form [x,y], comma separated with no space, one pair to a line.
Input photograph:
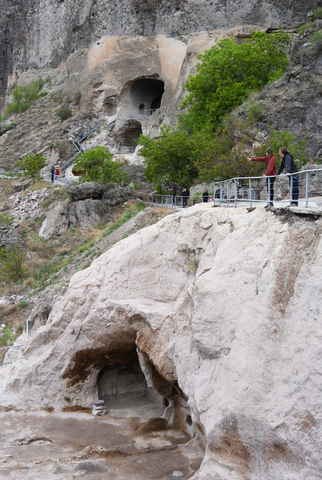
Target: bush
[286,139]
[77,98]
[255,110]
[6,219]
[33,163]
[317,13]
[97,165]
[22,304]
[64,112]
[23,95]
[11,260]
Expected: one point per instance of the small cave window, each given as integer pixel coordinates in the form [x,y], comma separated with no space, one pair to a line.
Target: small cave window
[129,135]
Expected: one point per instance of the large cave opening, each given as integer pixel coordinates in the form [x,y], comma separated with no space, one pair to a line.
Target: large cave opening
[145,95]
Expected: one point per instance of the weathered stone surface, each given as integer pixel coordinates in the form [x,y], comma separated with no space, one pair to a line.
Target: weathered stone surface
[113,195]
[43,306]
[85,190]
[19,187]
[56,222]
[224,305]
[87,212]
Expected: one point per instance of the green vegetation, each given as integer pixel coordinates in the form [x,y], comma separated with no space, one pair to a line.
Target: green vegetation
[168,159]
[23,95]
[64,112]
[209,143]
[317,13]
[291,142]
[124,218]
[6,219]
[22,304]
[97,165]
[11,260]
[77,98]
[32,163]
[8,337]
[227,73]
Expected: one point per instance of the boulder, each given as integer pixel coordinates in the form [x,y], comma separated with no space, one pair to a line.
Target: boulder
[85,190]
[136,173]
[56,222]
[113,195]
[87,212]
[224,306]
[20,186]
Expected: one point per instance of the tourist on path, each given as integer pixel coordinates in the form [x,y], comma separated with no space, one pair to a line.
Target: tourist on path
[270,161]
[290,167]
[205,196]
[53,171]
[185,196]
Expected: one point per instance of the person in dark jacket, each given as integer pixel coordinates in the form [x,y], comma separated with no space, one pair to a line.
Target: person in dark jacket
[174,193]
[205,196]
[53,171]
[185,196]
[270,161]
[290,167]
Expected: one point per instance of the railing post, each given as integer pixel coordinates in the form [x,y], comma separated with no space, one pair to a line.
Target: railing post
[27,329]
[221,189]
[307,189]
[227,192]
[269,193]
[291,192]
[250,193]
[235,189]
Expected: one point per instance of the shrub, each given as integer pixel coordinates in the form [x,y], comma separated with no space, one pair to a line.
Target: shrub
[97,165]
[22,304]
[11,260]
[77,98]
[23,95]
[64,112]
[255,110]
[8,337]
[317,13]
[33,163]
[286,139]
[6,219]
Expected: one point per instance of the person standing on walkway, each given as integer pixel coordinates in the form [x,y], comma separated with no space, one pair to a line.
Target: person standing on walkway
[290,167]
[270,161]
[52,171]
[57,172]
[205,196]
[185,196]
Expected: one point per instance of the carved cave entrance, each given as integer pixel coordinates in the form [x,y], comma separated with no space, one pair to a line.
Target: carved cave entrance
[146,95]
[129,134]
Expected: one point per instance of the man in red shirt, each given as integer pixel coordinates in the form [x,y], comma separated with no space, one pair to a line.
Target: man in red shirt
[270,161]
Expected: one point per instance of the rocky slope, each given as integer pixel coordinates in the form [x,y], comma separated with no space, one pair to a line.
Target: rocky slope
[223,308]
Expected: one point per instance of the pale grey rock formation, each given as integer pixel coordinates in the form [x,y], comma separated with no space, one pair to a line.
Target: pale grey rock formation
[56,222]
[87,212]
[113,195]
[85,190]
[225,307]
[20,186]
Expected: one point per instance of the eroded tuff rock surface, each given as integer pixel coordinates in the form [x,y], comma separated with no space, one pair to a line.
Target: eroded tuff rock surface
[224,309]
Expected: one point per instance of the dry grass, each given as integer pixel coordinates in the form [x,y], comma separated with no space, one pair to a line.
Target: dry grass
[7,310]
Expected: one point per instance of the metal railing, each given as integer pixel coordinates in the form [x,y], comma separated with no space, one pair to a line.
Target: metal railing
[76,144]
[295,189]
[168,201]
[56,179]
[147,112]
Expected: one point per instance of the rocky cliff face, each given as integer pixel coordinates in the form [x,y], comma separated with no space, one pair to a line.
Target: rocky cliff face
[36,34]
[223,308]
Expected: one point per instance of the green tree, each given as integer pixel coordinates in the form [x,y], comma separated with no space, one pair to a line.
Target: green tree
[286,139]
[23,95]
[11,261]
[168,158]
[32,163]
[97,165]
[224,155]
[227,73]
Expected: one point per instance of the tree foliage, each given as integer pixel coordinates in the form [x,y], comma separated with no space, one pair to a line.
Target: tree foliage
[33,163]
[227,73]
[168,158]
[97,165]
[23,95]
[11,261]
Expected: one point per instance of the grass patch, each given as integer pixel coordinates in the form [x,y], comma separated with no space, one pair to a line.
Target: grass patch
[24,95]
